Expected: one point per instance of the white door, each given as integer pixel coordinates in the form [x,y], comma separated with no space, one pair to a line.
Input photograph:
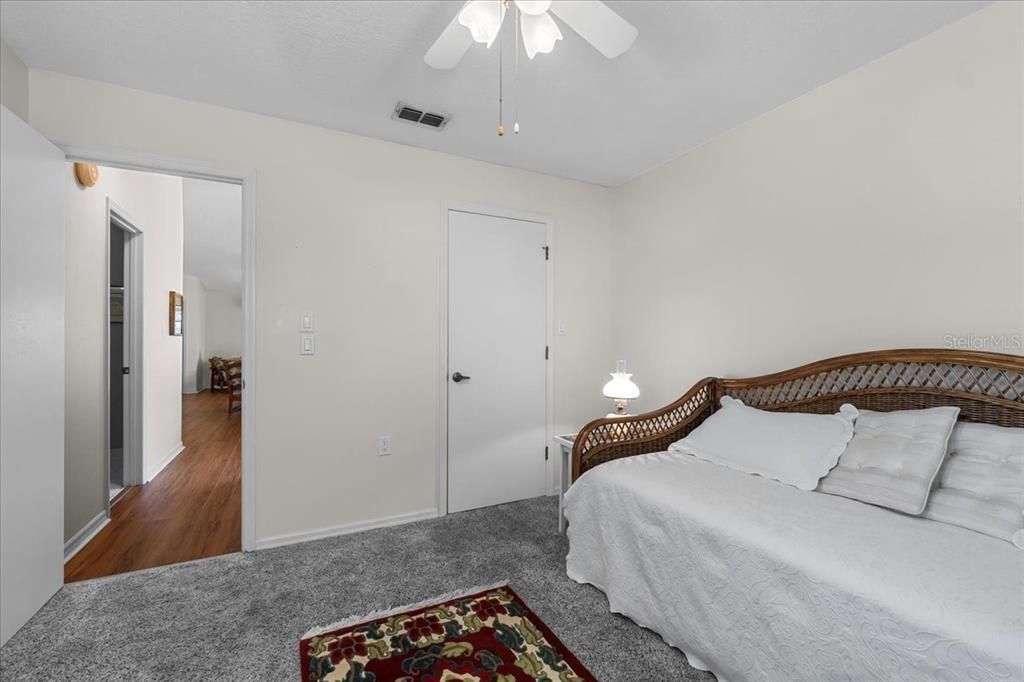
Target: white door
[31,372]
[497,366]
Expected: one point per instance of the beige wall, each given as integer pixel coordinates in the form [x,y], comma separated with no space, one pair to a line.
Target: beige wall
[213,328]
[13,82]
[154,201]
[881,210]
[349,227]
[195,373]
[223,323]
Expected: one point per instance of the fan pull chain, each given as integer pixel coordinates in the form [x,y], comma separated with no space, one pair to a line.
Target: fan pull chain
[501,56]
[515,126]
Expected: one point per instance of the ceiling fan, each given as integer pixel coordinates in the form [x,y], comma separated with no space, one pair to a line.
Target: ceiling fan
[609,33]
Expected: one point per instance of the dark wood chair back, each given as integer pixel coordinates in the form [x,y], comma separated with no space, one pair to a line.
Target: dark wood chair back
[233,381]
[217,381]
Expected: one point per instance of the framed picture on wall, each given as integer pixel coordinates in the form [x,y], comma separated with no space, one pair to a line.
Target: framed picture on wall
[177,305]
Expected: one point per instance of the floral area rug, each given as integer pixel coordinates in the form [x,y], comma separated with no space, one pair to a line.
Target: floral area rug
[488,635]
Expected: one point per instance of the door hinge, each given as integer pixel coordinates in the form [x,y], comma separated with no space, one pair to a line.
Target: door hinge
[547,252]
[125,370]
[546,352]
[545,453]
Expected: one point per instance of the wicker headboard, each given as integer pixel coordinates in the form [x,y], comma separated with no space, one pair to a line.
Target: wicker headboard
[987,387]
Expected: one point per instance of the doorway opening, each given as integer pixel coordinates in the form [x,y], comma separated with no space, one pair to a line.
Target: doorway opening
[124,352]
[173,484]
[119,368]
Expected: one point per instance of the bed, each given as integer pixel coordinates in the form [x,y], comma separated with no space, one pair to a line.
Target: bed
[755,580]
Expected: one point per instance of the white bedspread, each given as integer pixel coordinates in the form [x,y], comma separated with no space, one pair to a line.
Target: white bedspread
[756,580]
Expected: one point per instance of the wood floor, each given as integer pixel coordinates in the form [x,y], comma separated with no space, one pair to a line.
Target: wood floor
[191,510]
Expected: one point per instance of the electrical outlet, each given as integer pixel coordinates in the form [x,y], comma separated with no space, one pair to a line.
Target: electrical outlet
[383,446]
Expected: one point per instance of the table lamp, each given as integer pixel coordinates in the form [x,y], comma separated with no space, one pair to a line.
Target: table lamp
[620,389]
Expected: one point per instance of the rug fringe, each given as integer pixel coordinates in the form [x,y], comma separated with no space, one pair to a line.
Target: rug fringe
[384,613]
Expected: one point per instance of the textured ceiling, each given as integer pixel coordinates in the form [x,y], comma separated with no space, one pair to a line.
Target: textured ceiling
[697,69]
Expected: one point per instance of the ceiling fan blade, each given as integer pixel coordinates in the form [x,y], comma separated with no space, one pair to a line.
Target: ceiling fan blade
[597,24]
[448,49]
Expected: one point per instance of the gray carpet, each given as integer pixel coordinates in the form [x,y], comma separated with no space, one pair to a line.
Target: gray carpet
[240,617]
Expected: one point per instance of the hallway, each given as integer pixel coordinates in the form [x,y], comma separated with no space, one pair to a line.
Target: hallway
[191,510]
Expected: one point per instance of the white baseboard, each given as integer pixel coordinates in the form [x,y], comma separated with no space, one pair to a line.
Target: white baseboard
[175,451]
[344,529]
[82,537]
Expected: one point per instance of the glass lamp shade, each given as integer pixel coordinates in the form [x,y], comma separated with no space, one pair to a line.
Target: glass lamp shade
[483,19]
[621,387]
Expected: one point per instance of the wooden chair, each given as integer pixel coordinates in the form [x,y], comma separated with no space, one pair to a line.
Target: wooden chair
[233,382]
[217,381]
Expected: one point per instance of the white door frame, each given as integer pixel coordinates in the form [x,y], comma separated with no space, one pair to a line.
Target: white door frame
[134,421]
[442,380]
[247,179]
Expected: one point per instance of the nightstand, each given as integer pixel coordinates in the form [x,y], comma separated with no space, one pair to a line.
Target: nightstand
[564,444]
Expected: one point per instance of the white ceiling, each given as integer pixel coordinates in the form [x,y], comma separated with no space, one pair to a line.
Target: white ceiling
[697,69]
[213,233]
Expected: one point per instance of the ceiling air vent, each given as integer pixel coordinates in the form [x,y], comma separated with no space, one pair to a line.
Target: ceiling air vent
[404,112]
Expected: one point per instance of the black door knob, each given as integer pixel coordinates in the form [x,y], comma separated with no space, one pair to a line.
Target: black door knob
[459,376]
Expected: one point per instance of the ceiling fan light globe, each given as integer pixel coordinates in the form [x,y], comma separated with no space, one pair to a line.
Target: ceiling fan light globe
[483,18]
[533,7]
[540,33]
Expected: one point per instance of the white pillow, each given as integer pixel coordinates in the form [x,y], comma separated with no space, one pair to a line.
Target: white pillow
[893,458]
[792,447]
[981,485]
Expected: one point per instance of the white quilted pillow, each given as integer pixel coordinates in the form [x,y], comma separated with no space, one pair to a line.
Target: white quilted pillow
[792,447]
[981,485]
[893,458]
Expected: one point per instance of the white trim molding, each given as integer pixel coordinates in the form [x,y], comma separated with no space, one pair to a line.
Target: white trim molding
[162,464]
[345,529]
[247,179]
[82,537]
[442,376]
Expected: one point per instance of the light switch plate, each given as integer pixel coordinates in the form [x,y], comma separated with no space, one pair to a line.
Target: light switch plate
[307,345]
[306,322]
